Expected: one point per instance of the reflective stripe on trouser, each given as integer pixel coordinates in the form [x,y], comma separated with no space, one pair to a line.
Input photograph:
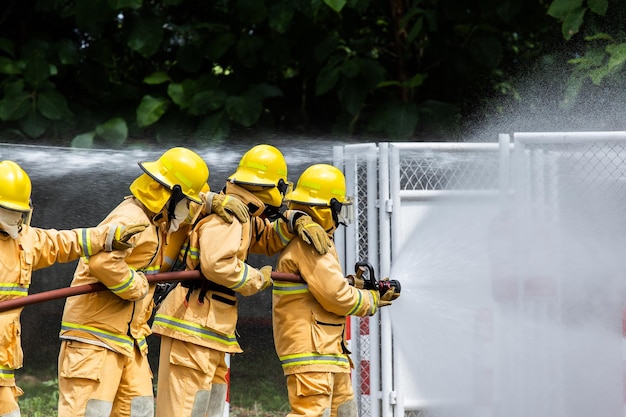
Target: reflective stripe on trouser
[321,394]
[219,389]
[97,382]
[8,401]
[186,371]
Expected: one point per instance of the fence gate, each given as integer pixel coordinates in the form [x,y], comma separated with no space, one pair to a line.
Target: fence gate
[536,179]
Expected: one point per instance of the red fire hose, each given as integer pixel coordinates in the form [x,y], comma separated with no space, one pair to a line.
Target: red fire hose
[98,286]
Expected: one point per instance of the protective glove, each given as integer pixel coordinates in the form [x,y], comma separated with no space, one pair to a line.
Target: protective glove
[387,298]
[356,281]
[226,207]
[309,231]
[118,236]
[266,272]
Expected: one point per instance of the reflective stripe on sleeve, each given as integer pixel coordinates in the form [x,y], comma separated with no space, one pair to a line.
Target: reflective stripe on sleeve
[243,276]
[289,288]
[13,289]
[6,372]
[281,234]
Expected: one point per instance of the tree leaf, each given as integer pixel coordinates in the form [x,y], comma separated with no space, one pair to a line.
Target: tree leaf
[280,17]
[561,8]
[9,66]
[68,52]
[179,94]
[52,105]
[245,109]
[326,79]
[598,6]
[37,71]
[146,35]
[84,140]
[14,106]
[336,5]
[572,22]
[156,78]
[34,125]
[114,131]
[150,110]
[207,101]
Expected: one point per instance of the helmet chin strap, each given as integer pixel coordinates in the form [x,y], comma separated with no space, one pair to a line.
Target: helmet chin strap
[273,213]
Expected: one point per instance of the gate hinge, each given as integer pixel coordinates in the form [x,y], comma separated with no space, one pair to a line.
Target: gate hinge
[393,398]
[388,206]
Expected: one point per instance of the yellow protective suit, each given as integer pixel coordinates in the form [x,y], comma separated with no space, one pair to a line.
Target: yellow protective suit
[103,367]
[197,326]
[33,249]
[309,323]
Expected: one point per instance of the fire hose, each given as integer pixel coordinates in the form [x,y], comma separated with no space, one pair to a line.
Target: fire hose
[179,276]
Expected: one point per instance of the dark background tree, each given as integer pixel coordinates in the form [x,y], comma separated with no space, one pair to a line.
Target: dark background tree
[109,72]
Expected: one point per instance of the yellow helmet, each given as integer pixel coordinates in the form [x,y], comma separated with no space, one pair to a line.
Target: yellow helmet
[318,185]
[15,187]
[182,167]
[324,185]
[263,166]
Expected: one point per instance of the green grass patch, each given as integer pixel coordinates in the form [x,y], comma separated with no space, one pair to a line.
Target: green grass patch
[41,393]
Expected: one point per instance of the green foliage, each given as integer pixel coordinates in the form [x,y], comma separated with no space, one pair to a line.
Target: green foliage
[105,72]
[601,53]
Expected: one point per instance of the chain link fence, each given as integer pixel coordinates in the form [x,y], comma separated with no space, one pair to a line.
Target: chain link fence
[545,175]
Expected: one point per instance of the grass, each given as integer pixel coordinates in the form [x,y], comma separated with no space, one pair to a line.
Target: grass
[41,395]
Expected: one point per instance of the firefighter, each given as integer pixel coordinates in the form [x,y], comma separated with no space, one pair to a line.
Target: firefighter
[309,318]
[197,320]
[103,368]
[24,249]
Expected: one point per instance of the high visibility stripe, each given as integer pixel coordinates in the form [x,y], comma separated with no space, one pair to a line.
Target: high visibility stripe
[193,329]
[142,343]
[194,253]
[373,303]
[6,372]
[13,289]
[84,240]
[289,288]
[243,276]
[151,270]
[312,358]
[279,231]
[359,303]
[118,339]
[118,289]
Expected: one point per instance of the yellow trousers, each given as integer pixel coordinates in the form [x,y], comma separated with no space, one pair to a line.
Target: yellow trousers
[186,372]
[317,394]
[8,400]
[98,382]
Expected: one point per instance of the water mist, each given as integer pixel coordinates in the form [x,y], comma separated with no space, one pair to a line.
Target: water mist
[513,310]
